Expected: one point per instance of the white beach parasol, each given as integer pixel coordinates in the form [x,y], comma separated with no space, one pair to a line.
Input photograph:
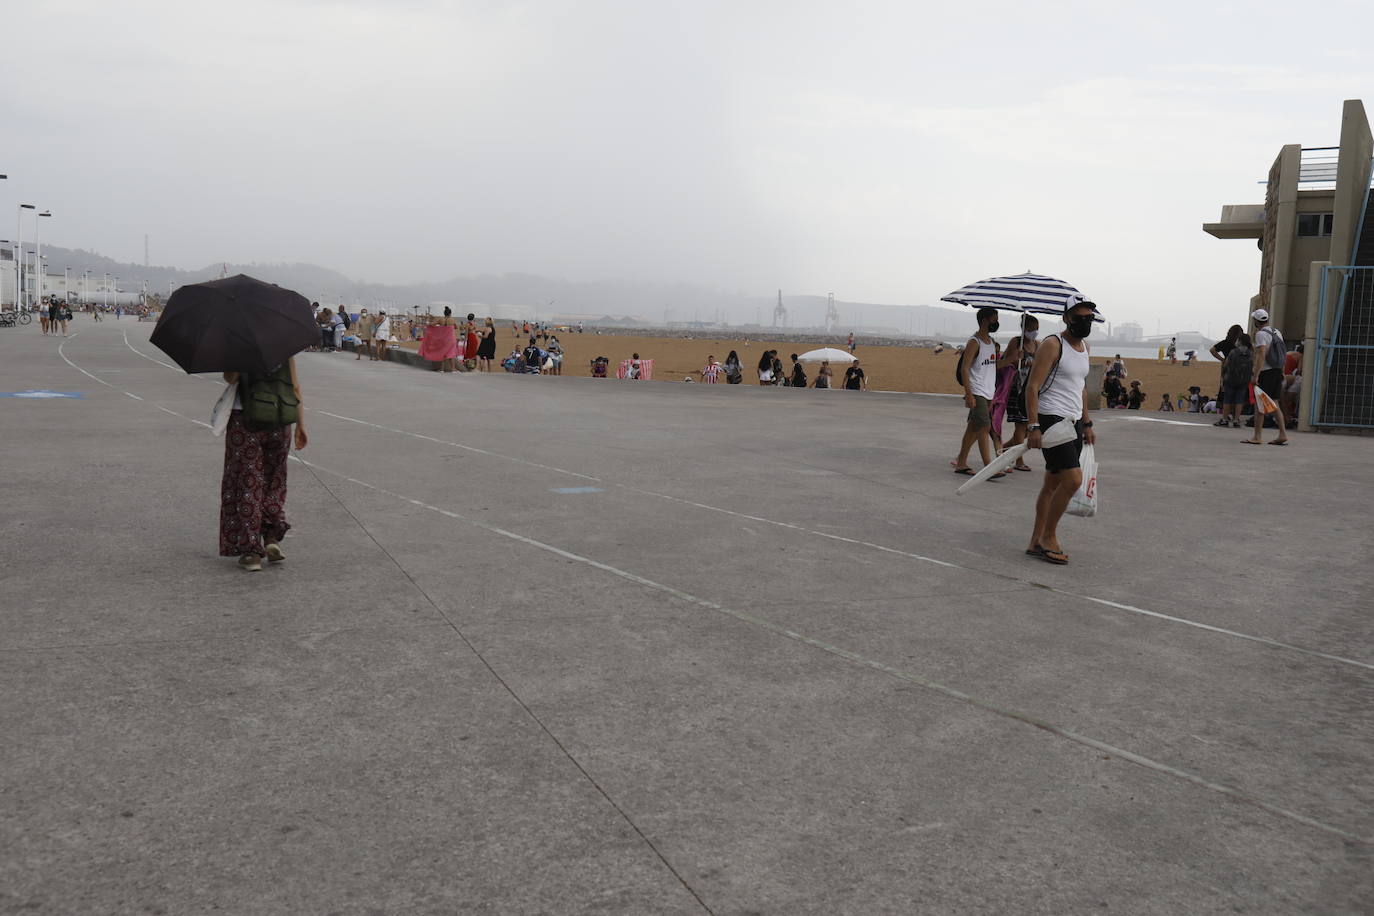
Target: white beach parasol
[827,353]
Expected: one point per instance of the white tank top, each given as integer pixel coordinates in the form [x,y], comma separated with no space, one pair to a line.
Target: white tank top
[1062,393]
[982,370]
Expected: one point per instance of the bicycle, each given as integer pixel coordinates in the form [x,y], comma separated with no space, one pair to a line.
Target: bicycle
[9,318]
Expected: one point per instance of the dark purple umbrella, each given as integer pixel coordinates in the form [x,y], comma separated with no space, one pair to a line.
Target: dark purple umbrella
[237,324]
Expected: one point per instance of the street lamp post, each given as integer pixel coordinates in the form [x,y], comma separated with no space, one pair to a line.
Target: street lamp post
[19,253]
[105,288]
[38,254]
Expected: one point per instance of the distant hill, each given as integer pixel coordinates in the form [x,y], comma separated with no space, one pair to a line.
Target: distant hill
[515,295]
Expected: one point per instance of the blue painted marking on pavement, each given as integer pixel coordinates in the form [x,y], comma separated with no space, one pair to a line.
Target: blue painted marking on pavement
[566,490]
[40,394]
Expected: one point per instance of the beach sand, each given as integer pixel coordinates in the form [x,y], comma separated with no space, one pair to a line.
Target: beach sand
[889,368]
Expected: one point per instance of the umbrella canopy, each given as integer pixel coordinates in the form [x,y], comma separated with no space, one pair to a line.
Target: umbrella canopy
[1026,292]
[237,324]
[827,353]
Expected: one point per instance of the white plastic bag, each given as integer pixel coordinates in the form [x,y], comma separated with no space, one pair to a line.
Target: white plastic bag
[219,416]
[1084,502]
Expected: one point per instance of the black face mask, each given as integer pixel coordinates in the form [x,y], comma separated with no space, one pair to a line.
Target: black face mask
[992,328]
[1081,326]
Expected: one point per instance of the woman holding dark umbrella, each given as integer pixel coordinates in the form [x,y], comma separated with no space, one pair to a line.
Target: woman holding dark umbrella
[252,516]
[249,330]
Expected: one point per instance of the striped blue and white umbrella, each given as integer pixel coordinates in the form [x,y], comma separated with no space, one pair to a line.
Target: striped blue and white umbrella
[1026,292]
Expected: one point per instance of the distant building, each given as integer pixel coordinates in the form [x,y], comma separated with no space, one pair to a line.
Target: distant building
[1129,332]
[1315,232]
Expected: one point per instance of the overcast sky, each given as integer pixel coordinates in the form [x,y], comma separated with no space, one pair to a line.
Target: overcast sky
[882,151]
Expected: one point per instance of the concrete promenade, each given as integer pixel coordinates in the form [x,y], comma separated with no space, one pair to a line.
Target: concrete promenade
[553,645]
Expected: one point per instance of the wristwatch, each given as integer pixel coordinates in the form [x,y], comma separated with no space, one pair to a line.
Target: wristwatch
[1034,427]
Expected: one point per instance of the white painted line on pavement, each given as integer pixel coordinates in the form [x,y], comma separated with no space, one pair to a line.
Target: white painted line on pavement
[864,661]
[1132,609]
[854,657]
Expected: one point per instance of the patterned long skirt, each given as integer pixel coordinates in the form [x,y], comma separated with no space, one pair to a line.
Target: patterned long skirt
[253,495]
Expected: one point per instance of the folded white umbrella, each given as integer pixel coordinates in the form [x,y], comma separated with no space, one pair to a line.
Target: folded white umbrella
[830,353]
[1057,434]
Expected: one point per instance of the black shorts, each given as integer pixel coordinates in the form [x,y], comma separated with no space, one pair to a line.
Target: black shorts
[1271,382]
[1061,457]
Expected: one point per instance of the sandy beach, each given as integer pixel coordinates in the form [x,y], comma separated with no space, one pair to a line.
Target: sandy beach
[889,368]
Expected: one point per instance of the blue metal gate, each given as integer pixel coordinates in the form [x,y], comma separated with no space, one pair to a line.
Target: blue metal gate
[1344,391]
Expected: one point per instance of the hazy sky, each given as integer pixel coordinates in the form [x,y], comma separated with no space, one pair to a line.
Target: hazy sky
[882,151]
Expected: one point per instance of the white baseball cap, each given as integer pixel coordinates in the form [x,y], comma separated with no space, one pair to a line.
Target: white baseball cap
[1260,315]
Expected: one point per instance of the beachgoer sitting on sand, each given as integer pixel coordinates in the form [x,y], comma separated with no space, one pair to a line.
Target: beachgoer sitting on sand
[1167,404]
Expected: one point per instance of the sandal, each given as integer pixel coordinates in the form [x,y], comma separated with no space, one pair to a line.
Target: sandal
[1022,467]
[967,472]
[1057,557]
[1278,442]
[1036,551]
[998,476]
[1248,442]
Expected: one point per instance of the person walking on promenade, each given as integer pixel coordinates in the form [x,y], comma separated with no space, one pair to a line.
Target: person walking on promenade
[978,373]
[1267,373]
[364,334]
[1236,372]
[252,517]
[1057,391]
[486,350]
[381,334]
[1220,350]
[1020,355]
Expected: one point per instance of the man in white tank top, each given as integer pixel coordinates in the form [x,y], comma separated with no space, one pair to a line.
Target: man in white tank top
[1057,392]
[978,370]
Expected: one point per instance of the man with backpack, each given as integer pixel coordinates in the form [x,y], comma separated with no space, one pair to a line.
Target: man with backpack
[1267,373]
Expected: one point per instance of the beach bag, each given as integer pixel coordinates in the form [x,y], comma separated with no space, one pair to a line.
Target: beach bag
[269,401]
[219,415]
[1084,502]
[1263,402]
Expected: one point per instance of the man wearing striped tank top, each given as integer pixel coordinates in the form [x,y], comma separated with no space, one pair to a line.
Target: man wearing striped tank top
[1056,391]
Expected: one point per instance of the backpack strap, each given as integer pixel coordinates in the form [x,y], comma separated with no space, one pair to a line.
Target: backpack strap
[1054,370]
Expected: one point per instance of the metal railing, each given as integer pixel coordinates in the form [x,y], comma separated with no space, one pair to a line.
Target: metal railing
[1343,393]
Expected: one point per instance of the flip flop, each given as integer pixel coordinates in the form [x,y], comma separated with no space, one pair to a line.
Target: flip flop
[1278,442]
[998,476]
[1056,557]
[1248,442]
[1036,551]
[967,472]
[1019,468]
